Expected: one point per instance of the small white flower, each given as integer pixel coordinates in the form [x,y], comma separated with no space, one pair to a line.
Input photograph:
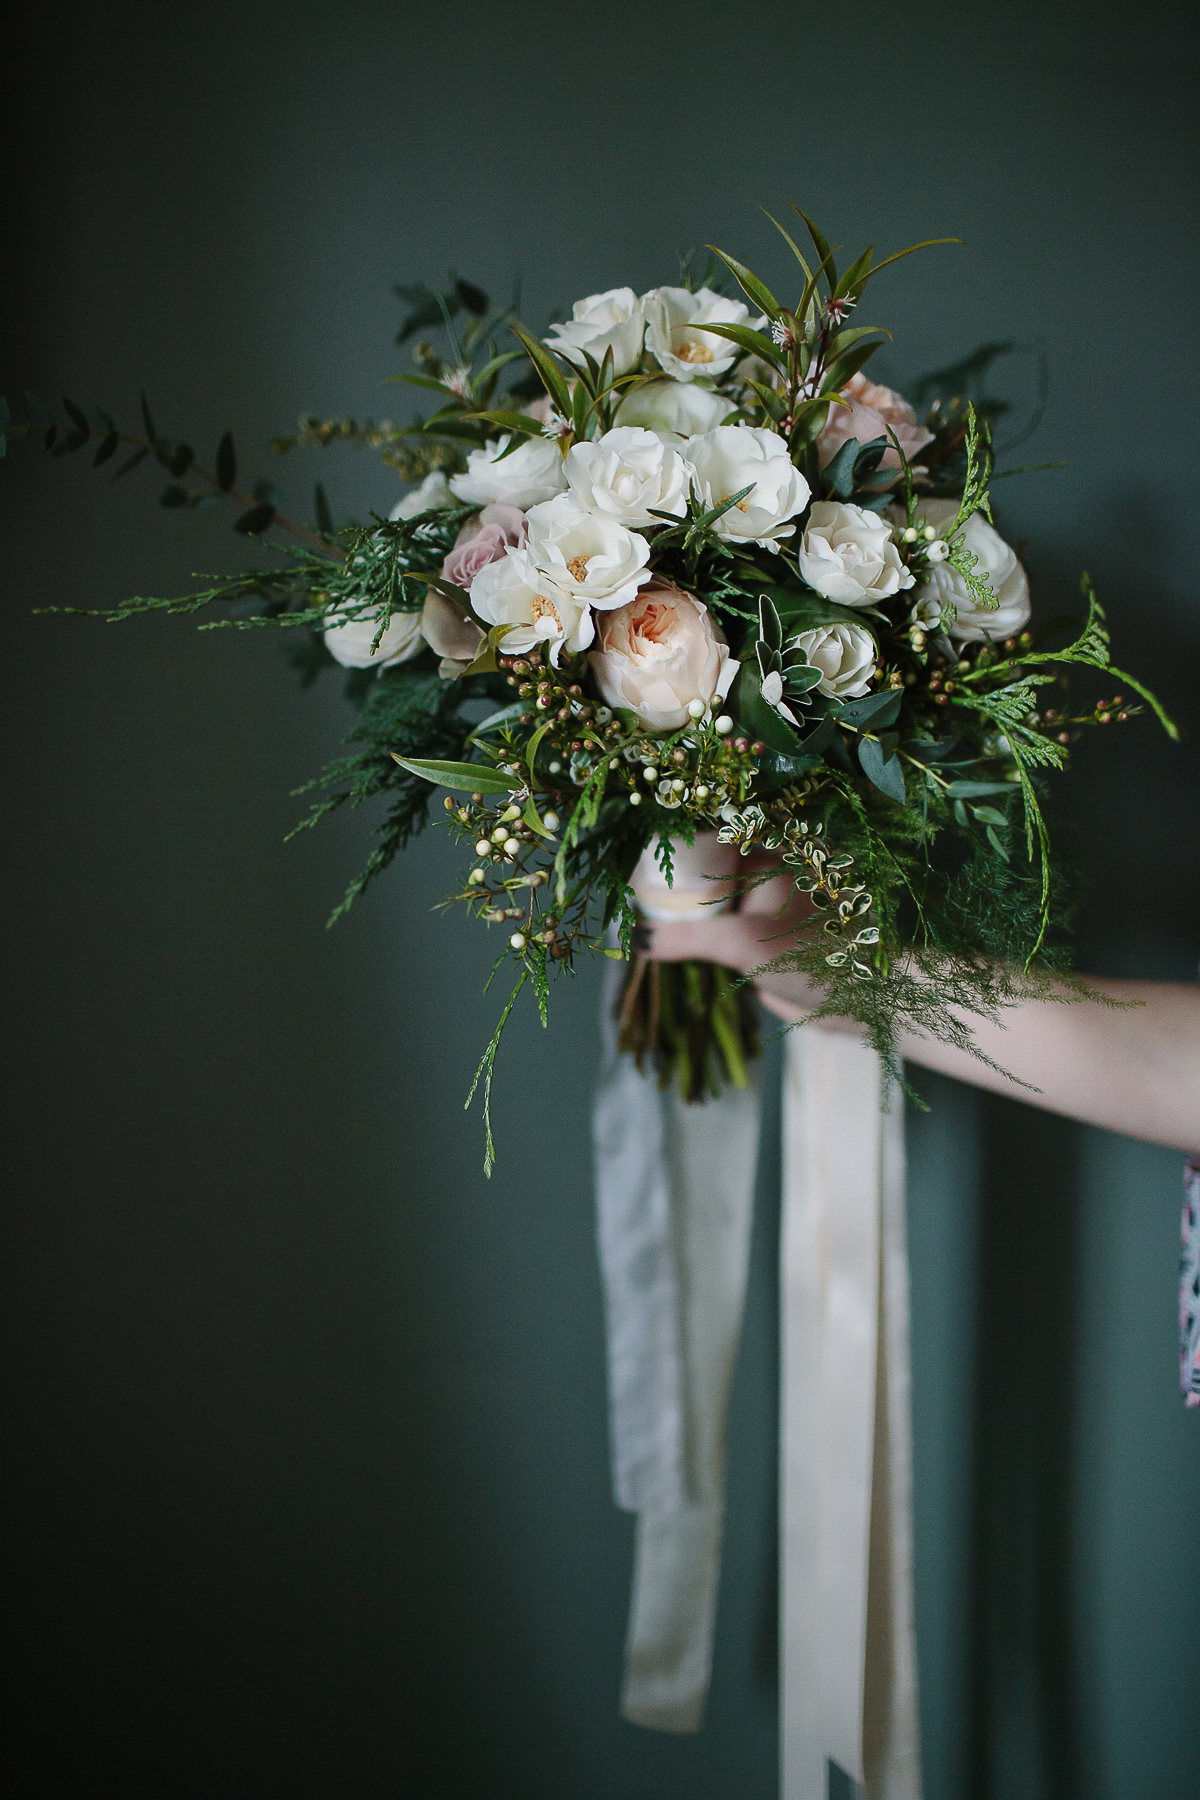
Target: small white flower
[628,475]
[349,641]
[997,564]
[938,550]
[845,655]
[587,558]
[847,554]
[532,473]
[675,321]
[612,321]
[434,492]
[673,410]
[736,456]
[513,592]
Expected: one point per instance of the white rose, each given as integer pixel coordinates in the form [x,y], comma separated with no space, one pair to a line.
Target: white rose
[675,321]
[513,592]
[585,557]
[997,565]
[848,555]
[610,321]
[673,410]
[531,474]
[628,475]
[845,655]
[433,492]
[660,653]
[732,457]
[349,641]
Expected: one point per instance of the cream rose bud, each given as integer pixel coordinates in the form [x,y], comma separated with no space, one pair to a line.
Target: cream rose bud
[514,592]
[590,559]
[612,321]
[736,456]
[450,635]
[845,655]
[675,321]
[434,492]
[659,655]
[349,641]
[532,473]
[870,410]
[673,410]
[997,564]
[847,554]
[628,475]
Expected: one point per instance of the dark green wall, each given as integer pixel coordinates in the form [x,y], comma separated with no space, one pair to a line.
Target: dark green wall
[306,1464]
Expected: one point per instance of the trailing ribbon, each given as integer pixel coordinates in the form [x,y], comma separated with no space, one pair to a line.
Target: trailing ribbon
[674,1187]
[848,1647]
[674,1190]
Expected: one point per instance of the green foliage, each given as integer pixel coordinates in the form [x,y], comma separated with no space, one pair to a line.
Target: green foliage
[910,816]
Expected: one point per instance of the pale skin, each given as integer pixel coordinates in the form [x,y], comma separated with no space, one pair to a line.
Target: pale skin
[1135,1069]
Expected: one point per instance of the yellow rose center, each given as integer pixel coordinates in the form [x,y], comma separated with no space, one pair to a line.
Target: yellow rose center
[577,568]
[545,609]
[692,352]
[741,505]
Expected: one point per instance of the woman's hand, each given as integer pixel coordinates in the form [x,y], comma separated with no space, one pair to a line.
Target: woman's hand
[761,929]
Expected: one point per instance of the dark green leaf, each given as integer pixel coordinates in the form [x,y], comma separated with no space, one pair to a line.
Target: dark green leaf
[977,790]
[877,710]
[549,371]
[148,421]
[896,255]
[790,240]
[173,495]
[470,777]
[226,463]
[321,511]
[990,815]
[886,773]
[255,521]
[756,718]
[755,289]
[756,342]
[473,298]
[853,278]
[131,462]
[824,253]
[837,477]
[78,418]
[180,460]
[107,448]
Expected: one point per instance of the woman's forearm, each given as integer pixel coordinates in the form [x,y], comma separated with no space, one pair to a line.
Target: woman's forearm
[1133,1068]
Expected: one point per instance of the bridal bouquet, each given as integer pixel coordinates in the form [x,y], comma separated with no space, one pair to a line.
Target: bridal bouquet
[690,585]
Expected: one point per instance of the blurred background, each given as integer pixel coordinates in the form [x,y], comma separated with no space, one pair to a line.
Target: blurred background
[306,1487]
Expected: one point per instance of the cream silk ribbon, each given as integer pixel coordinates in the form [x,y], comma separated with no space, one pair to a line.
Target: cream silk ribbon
[674,1191]
[848,1675]
[674,1197]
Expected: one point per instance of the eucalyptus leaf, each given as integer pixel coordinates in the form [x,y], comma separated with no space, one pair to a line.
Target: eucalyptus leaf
[256,521]
[886,773]
[469,777]
[876,710]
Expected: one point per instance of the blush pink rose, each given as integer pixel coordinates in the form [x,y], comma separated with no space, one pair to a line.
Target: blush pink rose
[658,654]
[870,410]
[483,540]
